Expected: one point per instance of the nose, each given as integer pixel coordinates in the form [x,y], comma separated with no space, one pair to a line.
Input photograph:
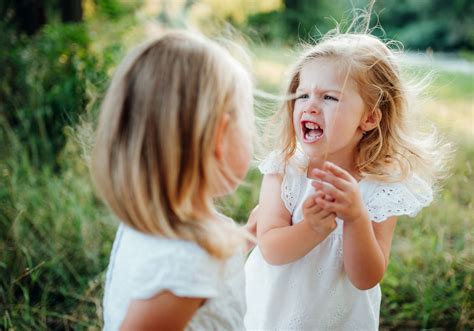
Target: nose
[312,109]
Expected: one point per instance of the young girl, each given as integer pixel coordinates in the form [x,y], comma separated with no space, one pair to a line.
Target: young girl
[174,133]
[348,165]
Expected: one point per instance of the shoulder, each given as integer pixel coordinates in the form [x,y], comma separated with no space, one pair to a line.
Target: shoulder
[179,266]
[406,197]
[290,176]
[274,163]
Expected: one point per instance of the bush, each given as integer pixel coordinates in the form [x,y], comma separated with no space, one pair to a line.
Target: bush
[44,82]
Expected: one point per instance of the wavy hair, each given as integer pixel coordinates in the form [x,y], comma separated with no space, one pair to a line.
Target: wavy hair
[394,149]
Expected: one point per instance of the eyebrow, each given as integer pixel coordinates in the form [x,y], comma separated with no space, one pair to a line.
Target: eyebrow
[299,90]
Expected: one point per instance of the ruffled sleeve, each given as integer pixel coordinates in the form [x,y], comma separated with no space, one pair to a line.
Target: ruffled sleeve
[182,268]
[272,164]
[293,176]
[396,199]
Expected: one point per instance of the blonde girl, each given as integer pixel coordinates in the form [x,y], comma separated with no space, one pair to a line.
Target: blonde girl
[347,166]
[173,134]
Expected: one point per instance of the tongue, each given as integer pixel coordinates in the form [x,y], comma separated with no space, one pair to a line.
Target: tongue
[314,133]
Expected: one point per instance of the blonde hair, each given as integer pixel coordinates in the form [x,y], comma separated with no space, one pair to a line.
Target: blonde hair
[393,150]
[153,160]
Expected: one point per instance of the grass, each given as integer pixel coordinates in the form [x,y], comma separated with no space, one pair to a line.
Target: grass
[55,237]
[429,283]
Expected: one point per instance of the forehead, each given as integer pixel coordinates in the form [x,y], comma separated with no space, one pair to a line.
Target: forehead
[325,74]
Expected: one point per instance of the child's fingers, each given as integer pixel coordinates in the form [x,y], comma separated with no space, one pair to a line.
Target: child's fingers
[309,202]
[327,205]
[328,189]
[338,171]
[329,198]
[330,178]
[323,214]
[331,218]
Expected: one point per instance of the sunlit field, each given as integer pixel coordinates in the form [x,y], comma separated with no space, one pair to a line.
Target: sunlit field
[56,236]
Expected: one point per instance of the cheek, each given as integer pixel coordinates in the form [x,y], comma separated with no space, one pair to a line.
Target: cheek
[243,153]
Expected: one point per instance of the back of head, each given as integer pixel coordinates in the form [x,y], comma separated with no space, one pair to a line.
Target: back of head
[153,161]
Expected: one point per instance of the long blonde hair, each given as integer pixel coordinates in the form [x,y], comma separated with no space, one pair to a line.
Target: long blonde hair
[394,149]
[153,160]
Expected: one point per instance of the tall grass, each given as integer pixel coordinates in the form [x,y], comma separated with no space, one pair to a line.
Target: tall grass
[56,237]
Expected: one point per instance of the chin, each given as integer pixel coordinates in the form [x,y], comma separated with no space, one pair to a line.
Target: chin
[314,150]
[226,188]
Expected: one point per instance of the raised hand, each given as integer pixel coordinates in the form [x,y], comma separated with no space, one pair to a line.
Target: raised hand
[346,201]
[320,220]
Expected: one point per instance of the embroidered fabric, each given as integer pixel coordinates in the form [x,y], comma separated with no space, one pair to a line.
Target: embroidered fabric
[141,266]
[396,199]
[387,199]
[292,172]
[314,292]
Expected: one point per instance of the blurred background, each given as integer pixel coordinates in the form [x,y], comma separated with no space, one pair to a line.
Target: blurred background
[56,58]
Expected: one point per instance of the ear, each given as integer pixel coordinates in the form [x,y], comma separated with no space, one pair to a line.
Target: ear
[370,120]
[222,125]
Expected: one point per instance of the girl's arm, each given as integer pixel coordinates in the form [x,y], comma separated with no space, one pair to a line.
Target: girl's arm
[366,244]
[278,240]
[367,250]
[164,311]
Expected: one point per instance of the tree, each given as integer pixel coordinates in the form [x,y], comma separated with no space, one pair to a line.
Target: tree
[28,15]
[71,10]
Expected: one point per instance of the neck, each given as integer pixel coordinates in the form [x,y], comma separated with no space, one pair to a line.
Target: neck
[345,161]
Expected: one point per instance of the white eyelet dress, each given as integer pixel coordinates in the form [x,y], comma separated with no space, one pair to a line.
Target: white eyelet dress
[141,266]
[314,292]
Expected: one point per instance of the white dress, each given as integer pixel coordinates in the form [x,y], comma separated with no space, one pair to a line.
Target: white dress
[141,266]
[314,292]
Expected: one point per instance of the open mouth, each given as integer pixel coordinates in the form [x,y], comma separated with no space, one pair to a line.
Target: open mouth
[311,131]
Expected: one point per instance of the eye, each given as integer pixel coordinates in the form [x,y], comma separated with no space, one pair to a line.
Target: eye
[331,98]
[302,96]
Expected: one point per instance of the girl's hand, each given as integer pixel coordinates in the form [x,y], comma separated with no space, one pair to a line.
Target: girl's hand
[320,220]
[336,182]
[251,227]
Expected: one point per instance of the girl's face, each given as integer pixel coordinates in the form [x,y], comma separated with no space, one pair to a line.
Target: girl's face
[327,112]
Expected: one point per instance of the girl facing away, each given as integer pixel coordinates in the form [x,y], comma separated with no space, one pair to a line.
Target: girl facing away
[348,165]
[173,134]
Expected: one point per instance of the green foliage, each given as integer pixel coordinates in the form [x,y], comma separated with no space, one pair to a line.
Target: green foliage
[54,242]
[56,237]
[113,9]
[429,280]
[268,26]
[43,83]
[439,25]
[298,20]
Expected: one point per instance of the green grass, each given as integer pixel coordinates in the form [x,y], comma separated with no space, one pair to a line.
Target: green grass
[55,236]
[429,283]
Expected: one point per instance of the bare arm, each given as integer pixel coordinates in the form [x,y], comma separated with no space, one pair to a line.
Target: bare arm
[279,241]
[165,311]
[367,248]
[366,244]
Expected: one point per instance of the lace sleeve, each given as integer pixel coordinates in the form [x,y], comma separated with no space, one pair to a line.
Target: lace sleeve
[292,177]
[272,164]
[184,269]
[396,199]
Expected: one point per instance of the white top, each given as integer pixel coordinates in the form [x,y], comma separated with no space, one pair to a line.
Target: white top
[314,292]
[141,266]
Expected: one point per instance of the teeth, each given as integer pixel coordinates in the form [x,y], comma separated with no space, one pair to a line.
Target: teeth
[311,126]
